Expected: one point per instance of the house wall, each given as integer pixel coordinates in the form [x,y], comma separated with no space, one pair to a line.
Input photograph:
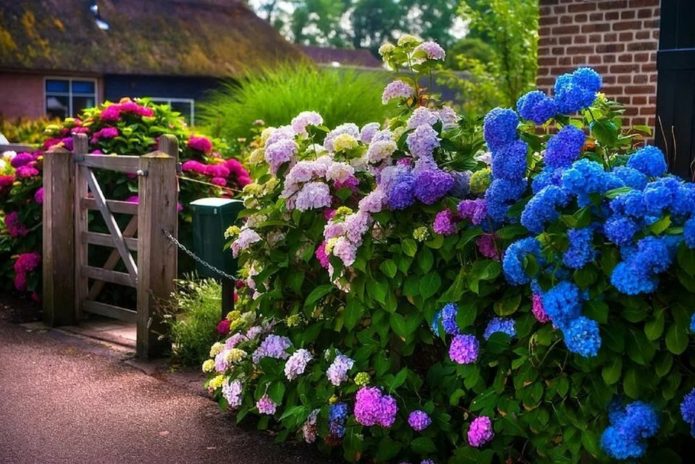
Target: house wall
[21,96]
[618,38]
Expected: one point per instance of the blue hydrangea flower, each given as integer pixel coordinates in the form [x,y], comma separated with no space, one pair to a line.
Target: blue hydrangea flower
[582,336]
[564,147]
[447,318]
[337,415]
[584,178]
[542,208]
[402,192]
[499,127]
[620,229]
[626,435]
[500,194]
[630,204]
[547,176]
[581,249]
[514,256]
[657,198]
[587,78]
[431,185]
[631,177]
[576,91]
[562,303]
[649,161]
[684,200]
[536,106]
[688,406]
[630,279]
[692,323]
[500,325]
[509,161]
[689,232]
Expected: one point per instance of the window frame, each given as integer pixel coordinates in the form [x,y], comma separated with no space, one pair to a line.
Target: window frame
[69,93]
[169,101]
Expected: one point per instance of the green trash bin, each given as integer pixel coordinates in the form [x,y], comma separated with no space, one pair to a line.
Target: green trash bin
[211,217]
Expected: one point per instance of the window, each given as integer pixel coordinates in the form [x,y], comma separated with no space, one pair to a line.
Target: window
[67,97]
[185,106]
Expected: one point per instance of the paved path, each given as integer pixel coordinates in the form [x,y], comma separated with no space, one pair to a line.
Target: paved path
[65,400]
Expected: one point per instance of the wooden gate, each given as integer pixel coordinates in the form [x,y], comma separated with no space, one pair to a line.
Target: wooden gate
[675,101]
[71,191]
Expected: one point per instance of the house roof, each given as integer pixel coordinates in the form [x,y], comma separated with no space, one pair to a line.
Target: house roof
[345,56]
[217,38]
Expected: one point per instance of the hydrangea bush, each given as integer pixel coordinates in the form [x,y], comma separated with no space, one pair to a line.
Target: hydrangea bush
[127,128]
[409,296]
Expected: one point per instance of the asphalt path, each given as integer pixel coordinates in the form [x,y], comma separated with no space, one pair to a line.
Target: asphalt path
[66,400]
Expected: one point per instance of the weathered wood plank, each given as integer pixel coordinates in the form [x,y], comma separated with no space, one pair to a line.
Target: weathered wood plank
[114,277]
[96,238]
[112,311]
[98,285]
[112,225]
[115,206]
[18,147]
[157,256]
[119,163]
[58,239]
[80,147]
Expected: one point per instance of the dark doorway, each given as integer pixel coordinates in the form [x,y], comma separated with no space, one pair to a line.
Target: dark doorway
[675,103]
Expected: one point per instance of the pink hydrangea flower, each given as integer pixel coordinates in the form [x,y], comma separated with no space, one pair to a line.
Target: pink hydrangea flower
[321,255]
[480,431]
[14,225]
[26,171]
[538,310]
[374,408]
[201,144]
[432,50]
[38,196]
[266,405]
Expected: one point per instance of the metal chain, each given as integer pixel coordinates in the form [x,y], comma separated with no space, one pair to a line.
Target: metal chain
[196,258]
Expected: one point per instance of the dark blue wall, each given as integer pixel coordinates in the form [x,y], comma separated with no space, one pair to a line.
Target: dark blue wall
[119,86]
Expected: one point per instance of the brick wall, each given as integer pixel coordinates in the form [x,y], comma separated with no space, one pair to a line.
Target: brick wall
[618,38]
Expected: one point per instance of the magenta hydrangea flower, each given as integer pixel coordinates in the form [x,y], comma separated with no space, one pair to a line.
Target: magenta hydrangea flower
[374,408]
[473,210]
[38,196]
[480,431]
[397,89]
[487,247]
[201,144]
[445,222]
[27,262]
[21,159]
[266,405]
[6,181]
[14,225]
[194,166]
[321,255]
[538,310]
[26,171]
[464,349]
[419,420]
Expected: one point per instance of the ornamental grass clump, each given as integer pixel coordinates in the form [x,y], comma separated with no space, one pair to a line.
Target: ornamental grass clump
[128,127]
[467,305]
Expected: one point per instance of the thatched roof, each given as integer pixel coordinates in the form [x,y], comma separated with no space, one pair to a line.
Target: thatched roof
[344,56]
[155,37]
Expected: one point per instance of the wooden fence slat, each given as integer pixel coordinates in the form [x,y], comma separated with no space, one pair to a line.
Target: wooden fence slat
[119,163]
[18,147]
[157,256]
[98,285]
[112,225]
[115,206]
[114,277]
[115,312]
[96,238]
[58,239]
[80,148]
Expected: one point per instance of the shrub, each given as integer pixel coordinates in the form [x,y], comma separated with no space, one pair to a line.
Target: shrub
[28,131]
[128,127]
[276,95]
[399,308]
[193,320]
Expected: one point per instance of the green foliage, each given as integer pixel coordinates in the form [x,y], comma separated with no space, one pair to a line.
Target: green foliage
[277,95]
[193,319]
[26,131]
[506,68]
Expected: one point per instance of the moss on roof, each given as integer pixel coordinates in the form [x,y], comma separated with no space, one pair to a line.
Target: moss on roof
[156,37]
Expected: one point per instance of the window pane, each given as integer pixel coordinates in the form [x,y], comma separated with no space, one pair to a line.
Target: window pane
[57,107]
[185,108]
[56,86]
[83,87]
[80,103]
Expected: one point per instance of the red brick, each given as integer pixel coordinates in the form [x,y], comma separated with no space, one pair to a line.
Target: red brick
[565,19]
[643,3]
[545,41]
[579,7]
[626,58]
[639,46]
[640,79]
[544,11]
[580,39]
[594,27]
[641,57]
[625,79]
[638,121]
[609,79]
[565,60]
[641,35]
[640,100]
[547,61]
[580,18]
[565,39]
[649,67]
[545,80]
[605,5]
[581,50]
[594,59]
[626,36]
[565,30]
[595,38]
[645,13]
[627,25]
[548,20]
[558,51]
[631,111]
[638,89]
[594,17]
[624,68]
[608,58]
[612,16]
[610,48]
[560,9]
[611,37]
[628,14]
[651,24]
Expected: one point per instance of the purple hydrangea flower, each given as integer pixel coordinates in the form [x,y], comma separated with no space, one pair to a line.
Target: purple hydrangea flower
[280,153]
[21,159]
[313,195]
[347,128]
[480,431]
[296,364]
[447,318]
[374,408]
[423,141]
[273,346]
[419,420]
[422,116]
[397,89]
[445,223]
[432,50]
[305,119]
[232,393]
[432,184]
[538,310]
[337,371]
[473,210]
[368,132]
[266,405]
[402,192]
[464,349]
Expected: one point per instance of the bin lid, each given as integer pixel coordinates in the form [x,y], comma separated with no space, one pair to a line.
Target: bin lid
[214,202]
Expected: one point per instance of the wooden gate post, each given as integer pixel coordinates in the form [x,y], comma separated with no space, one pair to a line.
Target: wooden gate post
[58,238]
[157,256]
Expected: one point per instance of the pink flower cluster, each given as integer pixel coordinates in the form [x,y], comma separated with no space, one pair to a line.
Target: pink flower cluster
[201,144]
[126,106]
[480,431]
[105,133]
[25,263]
[374,408]
[14,225]
[6,181]
[220,174]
